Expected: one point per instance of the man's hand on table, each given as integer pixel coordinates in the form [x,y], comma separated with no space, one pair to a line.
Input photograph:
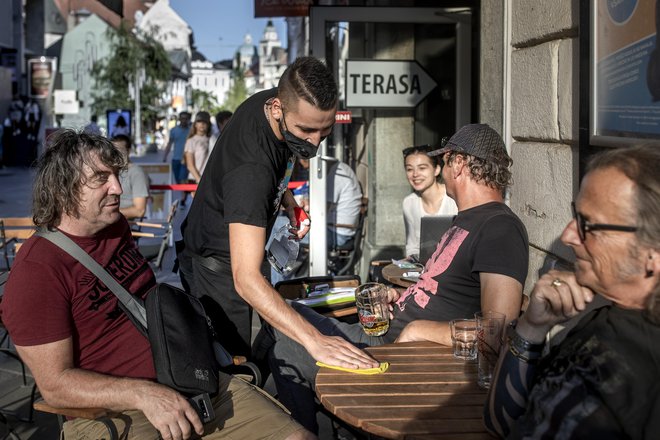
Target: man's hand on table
[168,411]
[333,350]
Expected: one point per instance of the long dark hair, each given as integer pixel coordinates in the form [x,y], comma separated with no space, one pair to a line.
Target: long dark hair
[61,174]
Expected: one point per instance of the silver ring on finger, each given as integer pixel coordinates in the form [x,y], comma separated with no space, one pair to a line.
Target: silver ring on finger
[556,282]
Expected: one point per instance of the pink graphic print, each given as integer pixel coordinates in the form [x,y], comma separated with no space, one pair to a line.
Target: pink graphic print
[439,262]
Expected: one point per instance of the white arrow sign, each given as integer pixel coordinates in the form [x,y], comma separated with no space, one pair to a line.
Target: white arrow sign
[386,83]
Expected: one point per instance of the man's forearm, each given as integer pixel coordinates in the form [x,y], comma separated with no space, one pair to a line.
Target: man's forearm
[77,388]
[271,306]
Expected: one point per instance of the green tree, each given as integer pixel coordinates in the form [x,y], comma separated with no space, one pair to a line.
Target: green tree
[203,100]
[238,92]
[114,74]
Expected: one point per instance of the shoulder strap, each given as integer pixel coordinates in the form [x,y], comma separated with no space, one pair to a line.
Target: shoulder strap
[132,305]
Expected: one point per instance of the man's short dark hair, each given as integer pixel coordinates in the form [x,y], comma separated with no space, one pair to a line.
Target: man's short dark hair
[309,79]
[222,116]
[61,174]
[123,138]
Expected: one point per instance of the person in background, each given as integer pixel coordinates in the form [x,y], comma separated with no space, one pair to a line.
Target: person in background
[480,263]
[601,381]
[178,136]
[429,196]
[344,200]
[196,151]
[82,349]
[93,126]
[120,127]
[134,182]
[221,119]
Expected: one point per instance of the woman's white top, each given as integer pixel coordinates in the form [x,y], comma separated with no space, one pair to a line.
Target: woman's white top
[413,211]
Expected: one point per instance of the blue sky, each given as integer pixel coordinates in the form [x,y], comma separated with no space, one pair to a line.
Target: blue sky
[220,25]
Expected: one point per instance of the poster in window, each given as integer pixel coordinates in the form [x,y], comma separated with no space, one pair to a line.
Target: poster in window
[625,71]
[40,76]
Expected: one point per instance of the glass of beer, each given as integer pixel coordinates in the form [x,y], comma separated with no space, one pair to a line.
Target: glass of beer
[373,313]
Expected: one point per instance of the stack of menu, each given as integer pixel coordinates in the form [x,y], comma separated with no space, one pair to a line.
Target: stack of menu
[336,296]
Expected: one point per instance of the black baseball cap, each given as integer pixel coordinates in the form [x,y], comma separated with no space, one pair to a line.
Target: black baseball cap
[478,140]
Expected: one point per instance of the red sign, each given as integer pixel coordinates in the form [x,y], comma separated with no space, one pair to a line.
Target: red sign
[282,8]
[343,117]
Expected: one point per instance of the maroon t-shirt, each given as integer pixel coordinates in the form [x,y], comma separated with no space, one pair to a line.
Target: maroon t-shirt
[50,296]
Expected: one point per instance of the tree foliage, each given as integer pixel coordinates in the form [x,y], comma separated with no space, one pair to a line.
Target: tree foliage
[203,100]
[114,74]
[238,92]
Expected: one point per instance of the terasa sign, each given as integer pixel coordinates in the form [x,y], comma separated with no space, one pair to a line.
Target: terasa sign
[386,83]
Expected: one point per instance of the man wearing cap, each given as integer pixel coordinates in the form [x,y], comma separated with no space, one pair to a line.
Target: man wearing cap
[244,183]
[480,263]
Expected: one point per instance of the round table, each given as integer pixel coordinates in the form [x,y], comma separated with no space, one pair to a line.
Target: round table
[425,394]
[394,273]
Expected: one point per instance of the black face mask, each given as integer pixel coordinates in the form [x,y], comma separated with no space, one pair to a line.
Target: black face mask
[300,147]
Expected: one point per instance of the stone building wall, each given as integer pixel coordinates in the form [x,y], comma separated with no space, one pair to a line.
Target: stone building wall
[543,116]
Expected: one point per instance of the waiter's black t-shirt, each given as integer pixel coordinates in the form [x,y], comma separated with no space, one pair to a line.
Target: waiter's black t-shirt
[242,183]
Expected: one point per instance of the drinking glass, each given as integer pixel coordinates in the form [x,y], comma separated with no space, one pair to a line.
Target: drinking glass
[373,313]
[464,338]
[490,328]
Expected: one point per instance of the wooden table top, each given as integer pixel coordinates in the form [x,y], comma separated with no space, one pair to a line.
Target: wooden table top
[425,394]
[393,274]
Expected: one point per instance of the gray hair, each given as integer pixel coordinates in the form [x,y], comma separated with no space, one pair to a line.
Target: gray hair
[61,176]
[640,164]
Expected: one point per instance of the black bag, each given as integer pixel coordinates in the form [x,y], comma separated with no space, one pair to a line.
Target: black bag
[185,354]
[181,338]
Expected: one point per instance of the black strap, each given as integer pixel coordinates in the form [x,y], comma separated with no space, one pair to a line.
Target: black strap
[132,305]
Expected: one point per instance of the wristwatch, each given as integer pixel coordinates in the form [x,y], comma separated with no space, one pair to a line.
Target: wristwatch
[520,347]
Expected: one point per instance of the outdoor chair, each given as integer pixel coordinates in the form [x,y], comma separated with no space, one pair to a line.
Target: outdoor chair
[342,259]
[13,232]
[5,348]
[163,231]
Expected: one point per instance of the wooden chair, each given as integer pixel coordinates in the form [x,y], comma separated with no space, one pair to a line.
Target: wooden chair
[14,355]
[342,259]
[99,414]
[13,232]
[163,231]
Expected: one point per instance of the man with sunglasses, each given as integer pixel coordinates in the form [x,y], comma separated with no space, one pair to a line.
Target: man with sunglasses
[238,198]
[601,381]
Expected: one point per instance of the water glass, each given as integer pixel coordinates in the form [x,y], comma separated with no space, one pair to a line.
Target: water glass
[372,307]
[490,330]
[464,338]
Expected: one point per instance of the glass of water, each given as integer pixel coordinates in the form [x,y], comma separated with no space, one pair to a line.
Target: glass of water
[464,338]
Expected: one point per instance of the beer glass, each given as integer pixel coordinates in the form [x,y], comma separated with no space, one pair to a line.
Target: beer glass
[373,313]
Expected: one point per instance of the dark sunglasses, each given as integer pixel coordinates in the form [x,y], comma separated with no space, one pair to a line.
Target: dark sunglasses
[583,226]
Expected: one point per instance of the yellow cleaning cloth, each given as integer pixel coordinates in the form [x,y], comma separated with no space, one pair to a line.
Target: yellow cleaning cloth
[381,369]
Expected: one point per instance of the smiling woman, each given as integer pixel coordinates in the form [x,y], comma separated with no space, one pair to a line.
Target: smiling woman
[429,197]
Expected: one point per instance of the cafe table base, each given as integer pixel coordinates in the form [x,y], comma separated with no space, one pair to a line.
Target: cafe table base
[425,394]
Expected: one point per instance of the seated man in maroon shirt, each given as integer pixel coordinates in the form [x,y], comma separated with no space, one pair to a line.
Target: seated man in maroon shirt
[68,328]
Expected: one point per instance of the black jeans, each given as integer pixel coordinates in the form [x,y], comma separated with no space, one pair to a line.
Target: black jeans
[212,282]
